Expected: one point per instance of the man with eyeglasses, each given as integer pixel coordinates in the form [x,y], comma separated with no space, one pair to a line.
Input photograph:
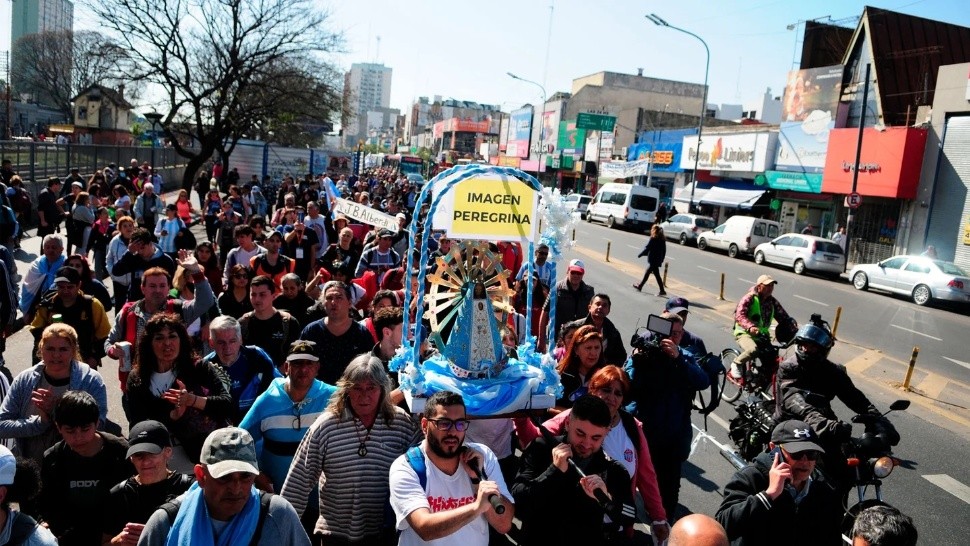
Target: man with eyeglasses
[436,491]
[780,492]
[541,266]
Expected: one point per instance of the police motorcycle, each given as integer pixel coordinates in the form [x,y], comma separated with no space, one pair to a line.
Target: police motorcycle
[868,457]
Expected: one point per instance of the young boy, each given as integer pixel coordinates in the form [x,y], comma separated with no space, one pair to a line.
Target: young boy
[79,470]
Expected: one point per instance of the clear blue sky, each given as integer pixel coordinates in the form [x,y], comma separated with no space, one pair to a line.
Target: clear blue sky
[463,48]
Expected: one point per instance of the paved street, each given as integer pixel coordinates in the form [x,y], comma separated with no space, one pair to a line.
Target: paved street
[872,342]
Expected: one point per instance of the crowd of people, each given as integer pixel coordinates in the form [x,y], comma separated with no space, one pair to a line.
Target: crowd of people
[253,373]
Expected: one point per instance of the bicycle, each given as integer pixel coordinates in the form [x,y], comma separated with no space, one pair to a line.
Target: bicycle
[758,377]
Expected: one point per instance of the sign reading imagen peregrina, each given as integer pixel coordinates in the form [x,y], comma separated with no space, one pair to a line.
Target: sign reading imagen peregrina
[366,215]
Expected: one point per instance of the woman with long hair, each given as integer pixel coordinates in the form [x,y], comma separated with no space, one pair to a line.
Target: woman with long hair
[184,207]
[347,455]
[210,214]
[170,384]
[655,251]
[235,300]
[206,255]
[122,203]
[624,443]
[584,355]
[26,413]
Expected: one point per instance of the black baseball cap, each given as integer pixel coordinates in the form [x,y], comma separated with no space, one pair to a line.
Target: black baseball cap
[148,437]
[796,436]
[302,349]
[677,304]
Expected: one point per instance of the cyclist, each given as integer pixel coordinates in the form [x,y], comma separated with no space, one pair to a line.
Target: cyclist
[807,383]
[752,320]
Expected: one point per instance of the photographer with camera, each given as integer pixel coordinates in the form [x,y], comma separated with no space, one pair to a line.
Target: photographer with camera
[664,380]
[807,383]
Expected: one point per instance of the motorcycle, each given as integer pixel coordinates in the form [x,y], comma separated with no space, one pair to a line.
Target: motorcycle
[868,457]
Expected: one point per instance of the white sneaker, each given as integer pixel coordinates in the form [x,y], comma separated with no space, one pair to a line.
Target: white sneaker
[735,370]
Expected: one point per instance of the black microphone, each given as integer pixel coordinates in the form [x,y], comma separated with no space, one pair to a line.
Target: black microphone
[493,499]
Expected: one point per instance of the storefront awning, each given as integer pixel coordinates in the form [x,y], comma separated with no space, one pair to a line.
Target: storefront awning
[724,197]
[683,194]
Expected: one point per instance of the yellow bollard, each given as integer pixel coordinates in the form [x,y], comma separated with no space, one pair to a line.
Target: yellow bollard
[665,272]
[574,235]
[721,296]
[608,243]
[912,365]
[835,323]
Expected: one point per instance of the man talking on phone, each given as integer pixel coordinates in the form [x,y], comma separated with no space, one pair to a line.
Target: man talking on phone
[779,494]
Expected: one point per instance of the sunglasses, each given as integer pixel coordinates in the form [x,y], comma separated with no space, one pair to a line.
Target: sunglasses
[460,425]
[803,455]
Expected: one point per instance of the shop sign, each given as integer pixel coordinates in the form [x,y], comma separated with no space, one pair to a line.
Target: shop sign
[803,182]
[747,152]
[889,162]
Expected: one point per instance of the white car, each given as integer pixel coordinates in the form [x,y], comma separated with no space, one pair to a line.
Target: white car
[684,227]
[803,253]
[919,277]
[577,203]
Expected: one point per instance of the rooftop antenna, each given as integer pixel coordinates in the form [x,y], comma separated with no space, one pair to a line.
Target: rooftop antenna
[377,57]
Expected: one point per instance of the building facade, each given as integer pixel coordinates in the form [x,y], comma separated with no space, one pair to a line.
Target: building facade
[367,87]
[34,17]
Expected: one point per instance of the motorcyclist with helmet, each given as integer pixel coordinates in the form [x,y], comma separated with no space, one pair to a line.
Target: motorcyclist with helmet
[807,383]
[752,321]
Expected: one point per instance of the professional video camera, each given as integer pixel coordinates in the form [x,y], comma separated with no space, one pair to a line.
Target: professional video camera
[649,337]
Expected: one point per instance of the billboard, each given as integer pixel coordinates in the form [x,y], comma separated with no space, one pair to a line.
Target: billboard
[889,162]
[520,131]
[571,140]
[809,112]
[550,131]
[745,152]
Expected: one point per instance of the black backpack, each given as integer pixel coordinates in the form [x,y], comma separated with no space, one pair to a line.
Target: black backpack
[712,366]
[172,510]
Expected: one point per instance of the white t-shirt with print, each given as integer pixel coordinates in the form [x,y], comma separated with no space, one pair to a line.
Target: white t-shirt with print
[618,446]
[443,492]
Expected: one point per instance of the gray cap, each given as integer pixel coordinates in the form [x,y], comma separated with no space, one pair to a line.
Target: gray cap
[229,450]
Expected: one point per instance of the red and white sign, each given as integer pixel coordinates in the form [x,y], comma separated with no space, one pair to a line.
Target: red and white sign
[853,200]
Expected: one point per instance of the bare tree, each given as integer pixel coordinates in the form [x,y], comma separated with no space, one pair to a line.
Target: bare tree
[212,60]
[54,67]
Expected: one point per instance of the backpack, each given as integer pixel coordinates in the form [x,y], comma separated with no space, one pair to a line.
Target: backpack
[415,458]
[712,366]
[23,526]
[172,510]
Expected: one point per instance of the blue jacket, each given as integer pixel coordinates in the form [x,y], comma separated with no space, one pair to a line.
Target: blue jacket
[13,412]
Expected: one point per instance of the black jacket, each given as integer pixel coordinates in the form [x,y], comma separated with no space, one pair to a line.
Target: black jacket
[805,392]
[552,505]
[752,519]
[655,251]
[613,350]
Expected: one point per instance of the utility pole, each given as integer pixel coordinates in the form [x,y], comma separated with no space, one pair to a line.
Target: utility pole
[855,168]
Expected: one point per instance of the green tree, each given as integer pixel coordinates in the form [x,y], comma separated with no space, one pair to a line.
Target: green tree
[224,66]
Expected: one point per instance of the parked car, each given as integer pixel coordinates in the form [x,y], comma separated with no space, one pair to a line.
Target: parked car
[578,203]
[803,253]
[739,235]
[625,205]
[923,279]
[415,179]
[685,227]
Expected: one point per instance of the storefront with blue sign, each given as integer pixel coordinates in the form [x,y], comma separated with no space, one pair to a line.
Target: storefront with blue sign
[664,148]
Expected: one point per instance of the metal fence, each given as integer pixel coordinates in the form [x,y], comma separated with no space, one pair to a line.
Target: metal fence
[35,162]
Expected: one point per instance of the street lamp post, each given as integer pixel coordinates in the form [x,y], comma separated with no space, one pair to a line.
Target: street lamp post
[153,117]
[542,112]
[655,19]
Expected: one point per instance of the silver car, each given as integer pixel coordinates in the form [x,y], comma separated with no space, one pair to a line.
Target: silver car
[803,253]
[923,279]
[577,204]
[685,227]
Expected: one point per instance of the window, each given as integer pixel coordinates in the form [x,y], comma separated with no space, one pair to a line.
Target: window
[677,219]
[782,241]
[916,267]
[643,202]
[772,230]
[705,223]
[759,229]
[892,263]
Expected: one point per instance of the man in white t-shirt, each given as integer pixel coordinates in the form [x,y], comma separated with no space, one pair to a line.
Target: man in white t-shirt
[436,494]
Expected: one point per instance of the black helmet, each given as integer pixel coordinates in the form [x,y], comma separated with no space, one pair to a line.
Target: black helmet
[816,335]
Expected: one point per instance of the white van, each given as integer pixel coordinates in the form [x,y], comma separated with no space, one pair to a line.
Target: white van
[626,205]
[739,235]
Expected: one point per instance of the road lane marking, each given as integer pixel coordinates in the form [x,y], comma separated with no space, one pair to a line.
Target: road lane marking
[717,419]
[958,362]
[811,300]
[707,269]
[745,280]
[950,485]
[917,333]
[634,247]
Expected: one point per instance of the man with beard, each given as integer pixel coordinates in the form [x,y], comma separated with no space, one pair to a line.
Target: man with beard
[436,493]
[558,504]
